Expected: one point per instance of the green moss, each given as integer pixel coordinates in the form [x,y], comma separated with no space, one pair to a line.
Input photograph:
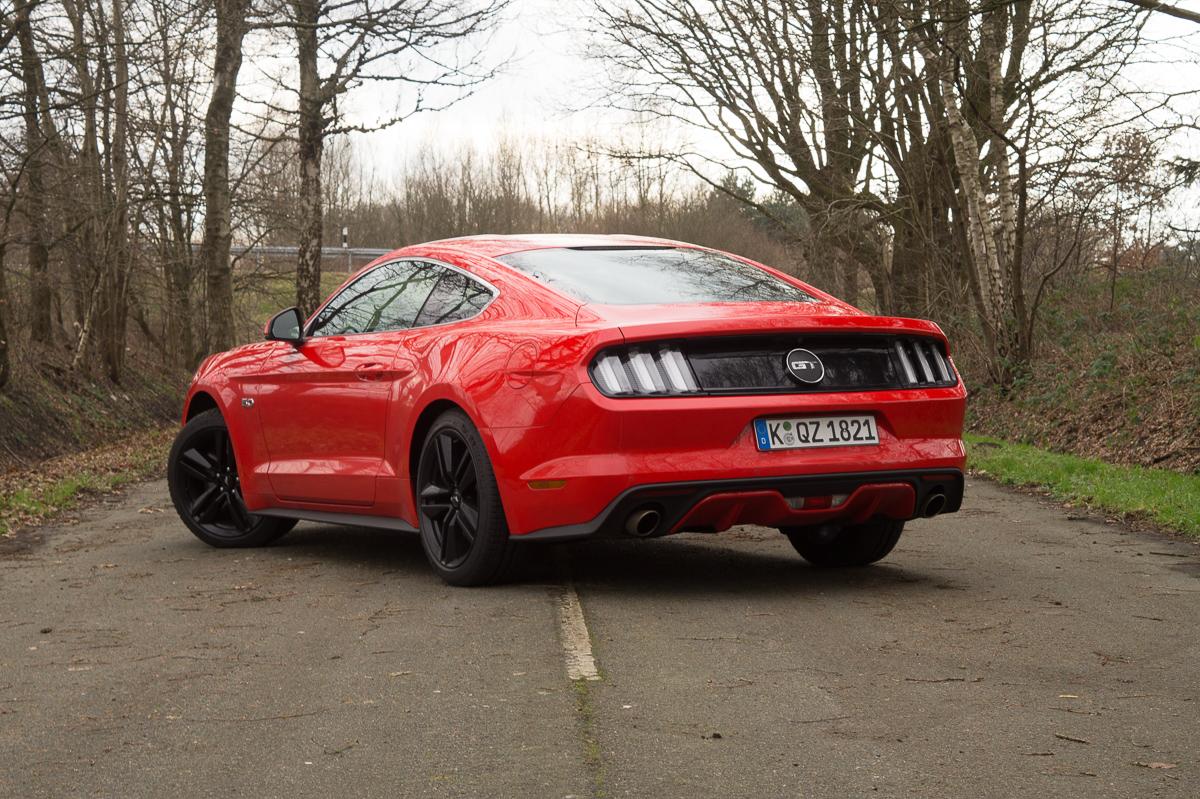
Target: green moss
[586,715]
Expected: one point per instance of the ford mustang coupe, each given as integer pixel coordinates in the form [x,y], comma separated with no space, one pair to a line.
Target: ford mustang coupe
[496,390]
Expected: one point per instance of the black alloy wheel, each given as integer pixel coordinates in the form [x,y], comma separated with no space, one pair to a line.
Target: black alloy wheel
[203,478]
[463,530]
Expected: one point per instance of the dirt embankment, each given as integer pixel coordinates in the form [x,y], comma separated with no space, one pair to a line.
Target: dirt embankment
[48,411]
[1122,385]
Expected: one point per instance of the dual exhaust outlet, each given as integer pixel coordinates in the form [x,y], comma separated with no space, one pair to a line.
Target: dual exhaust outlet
[644,522]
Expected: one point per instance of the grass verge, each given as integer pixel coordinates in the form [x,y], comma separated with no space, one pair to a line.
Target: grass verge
[1168,499]
[38,493]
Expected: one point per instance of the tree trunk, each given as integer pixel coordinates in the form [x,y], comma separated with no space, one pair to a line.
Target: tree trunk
[227,62]
[311,139]
[910,264]
[4,359]
[116,288]
[1114,260]
[88,273]
[989,244]
[35,204]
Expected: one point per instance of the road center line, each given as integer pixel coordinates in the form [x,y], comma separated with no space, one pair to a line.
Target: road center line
[576,643]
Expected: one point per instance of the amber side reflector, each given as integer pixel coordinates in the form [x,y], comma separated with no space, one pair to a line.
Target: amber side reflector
[543,485]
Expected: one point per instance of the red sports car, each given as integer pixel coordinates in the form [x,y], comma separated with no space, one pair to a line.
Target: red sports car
[496,390]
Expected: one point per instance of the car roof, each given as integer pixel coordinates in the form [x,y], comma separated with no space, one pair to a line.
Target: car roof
[494,246]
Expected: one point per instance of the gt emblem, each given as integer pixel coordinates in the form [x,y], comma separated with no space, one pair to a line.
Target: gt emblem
[247,402]
[805,366]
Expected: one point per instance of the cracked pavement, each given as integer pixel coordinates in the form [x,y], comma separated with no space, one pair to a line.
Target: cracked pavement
[1010,649]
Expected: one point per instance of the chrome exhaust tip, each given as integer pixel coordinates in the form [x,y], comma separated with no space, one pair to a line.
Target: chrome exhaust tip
[935,503]
[642,522]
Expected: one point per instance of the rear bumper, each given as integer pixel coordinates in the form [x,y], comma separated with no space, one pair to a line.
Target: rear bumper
[594,451]
[717,505]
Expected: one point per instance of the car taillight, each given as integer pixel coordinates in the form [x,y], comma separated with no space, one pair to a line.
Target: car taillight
[923,363]
[643,370]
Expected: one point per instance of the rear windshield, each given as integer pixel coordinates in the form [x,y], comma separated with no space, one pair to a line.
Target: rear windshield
[651,276]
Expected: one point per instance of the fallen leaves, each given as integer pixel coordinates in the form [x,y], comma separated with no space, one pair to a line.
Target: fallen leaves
[32,495]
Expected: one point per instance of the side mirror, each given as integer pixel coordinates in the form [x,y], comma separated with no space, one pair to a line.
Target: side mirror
[286,326]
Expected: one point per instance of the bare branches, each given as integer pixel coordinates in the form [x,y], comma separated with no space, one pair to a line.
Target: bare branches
[921,137]
[343,45]
[1166,8]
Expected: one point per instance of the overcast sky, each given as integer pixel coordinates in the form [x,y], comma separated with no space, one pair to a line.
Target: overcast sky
[539,91]
[548,80]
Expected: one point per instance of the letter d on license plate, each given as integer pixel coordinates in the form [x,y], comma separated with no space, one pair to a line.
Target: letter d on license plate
[799,432]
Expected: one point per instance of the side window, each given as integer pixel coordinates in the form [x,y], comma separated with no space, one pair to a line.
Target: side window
[388,297]
[455,297]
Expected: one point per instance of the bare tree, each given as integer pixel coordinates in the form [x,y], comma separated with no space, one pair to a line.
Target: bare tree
[227,62]
[411,44]
[36,144]
[1014,80]
[10,202]
[782,83]
[918,136]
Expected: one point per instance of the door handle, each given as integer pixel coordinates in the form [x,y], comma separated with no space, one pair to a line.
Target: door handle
[369,371]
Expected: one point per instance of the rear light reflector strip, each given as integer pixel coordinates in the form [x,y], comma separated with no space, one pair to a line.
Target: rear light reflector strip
[643,371]
[922,363]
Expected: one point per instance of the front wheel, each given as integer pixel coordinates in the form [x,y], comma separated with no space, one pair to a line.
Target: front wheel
[463,529]
[203,478]
[827,546]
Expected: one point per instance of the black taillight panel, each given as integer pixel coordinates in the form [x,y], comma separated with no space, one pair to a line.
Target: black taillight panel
[758,365]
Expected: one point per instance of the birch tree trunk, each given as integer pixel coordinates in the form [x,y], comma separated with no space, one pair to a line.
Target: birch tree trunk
[989,228]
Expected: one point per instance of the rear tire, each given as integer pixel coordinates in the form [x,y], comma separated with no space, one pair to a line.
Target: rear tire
[202,476]
[856,545]
[463,529]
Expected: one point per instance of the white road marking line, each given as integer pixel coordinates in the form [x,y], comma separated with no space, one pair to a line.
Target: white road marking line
[577,645]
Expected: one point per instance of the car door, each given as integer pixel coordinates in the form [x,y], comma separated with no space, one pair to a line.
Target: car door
[323,405]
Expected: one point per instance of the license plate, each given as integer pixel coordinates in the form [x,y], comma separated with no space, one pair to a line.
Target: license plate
[799,432]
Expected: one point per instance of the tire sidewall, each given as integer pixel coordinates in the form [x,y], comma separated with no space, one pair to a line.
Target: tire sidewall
[491,549]
[265,529]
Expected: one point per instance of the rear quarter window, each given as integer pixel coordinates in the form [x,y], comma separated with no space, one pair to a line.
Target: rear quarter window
[456,297]
[652,276]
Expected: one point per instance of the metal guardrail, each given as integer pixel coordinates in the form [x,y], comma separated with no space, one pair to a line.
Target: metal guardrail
[326,252]
[261,251]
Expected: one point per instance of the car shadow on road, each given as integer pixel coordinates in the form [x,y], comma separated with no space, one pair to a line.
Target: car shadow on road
[709,566]
[384,550]
[673,565]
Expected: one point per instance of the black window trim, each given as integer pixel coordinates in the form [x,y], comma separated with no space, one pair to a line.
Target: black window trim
[493,290]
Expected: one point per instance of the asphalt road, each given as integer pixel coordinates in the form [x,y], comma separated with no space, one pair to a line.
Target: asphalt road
[1009,650]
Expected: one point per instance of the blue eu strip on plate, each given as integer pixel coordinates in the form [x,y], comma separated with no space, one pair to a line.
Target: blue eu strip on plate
[760,431]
